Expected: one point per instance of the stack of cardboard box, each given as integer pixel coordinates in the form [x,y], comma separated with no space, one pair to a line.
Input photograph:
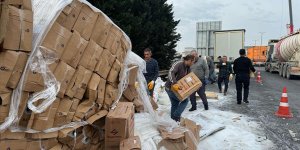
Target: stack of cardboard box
[15,46]
[90,52]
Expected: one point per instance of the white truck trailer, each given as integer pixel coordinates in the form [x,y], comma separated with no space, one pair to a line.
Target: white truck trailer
[283,56]
[228,43]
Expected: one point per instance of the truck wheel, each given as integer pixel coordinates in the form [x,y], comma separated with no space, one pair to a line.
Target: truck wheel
[284,68]
[281,71]
[288,74]
[267,68]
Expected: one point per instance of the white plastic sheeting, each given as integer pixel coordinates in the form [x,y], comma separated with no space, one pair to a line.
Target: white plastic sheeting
[239,132]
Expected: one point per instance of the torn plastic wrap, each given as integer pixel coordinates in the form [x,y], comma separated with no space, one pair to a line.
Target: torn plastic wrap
[159,84]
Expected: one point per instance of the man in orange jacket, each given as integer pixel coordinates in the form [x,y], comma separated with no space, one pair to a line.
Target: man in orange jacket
[178,70]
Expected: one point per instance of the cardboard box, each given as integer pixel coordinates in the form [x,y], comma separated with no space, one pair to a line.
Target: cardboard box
[132,74]
[50,111]
[86,22]
[192,126]
[86,109]
[17,29]
[91,56]
[119,125]
[57,39]
[133,143]
[34,81]
[125,43]
[41,144]
[45,119]
[113,41]
[97,116]
[62,111]
[11,144]
[5,98]
[190,83]
[111,95]
[190,141]
[105,64]
[114,72]
[17,71]
[177,134]
[21,4]
[66,111]
[101,92]
[138,105]
[74,50]
[42,135]
[4,111]
[91,92]
[8,61]
[78,83]
[63,74]
[12,135]
[121,54]
[72,12]
[131,93]
[101,30]
[26,119]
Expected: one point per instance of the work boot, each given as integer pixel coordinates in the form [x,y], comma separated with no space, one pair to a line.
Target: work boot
[239,102]
[225,93]
[193,108]
[246,101]
[206,107]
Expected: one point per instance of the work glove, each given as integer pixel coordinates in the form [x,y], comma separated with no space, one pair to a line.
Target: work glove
[230,77]
[151,85]
[176,87]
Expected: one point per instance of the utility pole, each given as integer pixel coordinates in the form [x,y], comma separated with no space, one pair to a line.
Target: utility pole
[261,38]
[291,17]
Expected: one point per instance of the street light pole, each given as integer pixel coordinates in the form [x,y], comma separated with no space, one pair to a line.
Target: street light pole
[261,38]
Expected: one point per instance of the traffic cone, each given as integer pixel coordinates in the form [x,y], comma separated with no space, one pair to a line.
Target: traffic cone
[258,78]
[284,110]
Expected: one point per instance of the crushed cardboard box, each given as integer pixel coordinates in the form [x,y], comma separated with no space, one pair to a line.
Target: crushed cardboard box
[133,143]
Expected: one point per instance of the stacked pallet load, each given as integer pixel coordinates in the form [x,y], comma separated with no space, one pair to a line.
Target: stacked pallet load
[62,77]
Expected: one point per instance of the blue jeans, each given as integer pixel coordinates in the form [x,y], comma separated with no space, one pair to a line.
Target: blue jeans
[177,107]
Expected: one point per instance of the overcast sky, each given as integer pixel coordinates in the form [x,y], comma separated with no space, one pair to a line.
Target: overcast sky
[269,16]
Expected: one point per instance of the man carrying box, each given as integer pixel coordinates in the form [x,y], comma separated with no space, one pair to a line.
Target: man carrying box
[178,70]
[200,68]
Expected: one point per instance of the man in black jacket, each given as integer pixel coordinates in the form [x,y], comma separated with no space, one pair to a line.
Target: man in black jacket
[152,70]
[225,70]
[241,68]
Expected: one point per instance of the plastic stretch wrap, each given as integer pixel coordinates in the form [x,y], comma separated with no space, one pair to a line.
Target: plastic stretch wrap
[159,84]
[45,14]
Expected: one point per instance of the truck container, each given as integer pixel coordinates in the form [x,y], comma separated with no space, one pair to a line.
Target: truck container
[257,54]
[228,43]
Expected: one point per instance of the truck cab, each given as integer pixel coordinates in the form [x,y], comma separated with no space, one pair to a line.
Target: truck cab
[271,55]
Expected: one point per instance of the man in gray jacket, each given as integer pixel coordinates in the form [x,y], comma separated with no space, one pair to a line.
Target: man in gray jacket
[200,68]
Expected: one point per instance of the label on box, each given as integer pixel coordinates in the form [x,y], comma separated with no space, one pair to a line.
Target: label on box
[188,79]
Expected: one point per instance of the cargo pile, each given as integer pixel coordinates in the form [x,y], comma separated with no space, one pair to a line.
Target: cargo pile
[56,92]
